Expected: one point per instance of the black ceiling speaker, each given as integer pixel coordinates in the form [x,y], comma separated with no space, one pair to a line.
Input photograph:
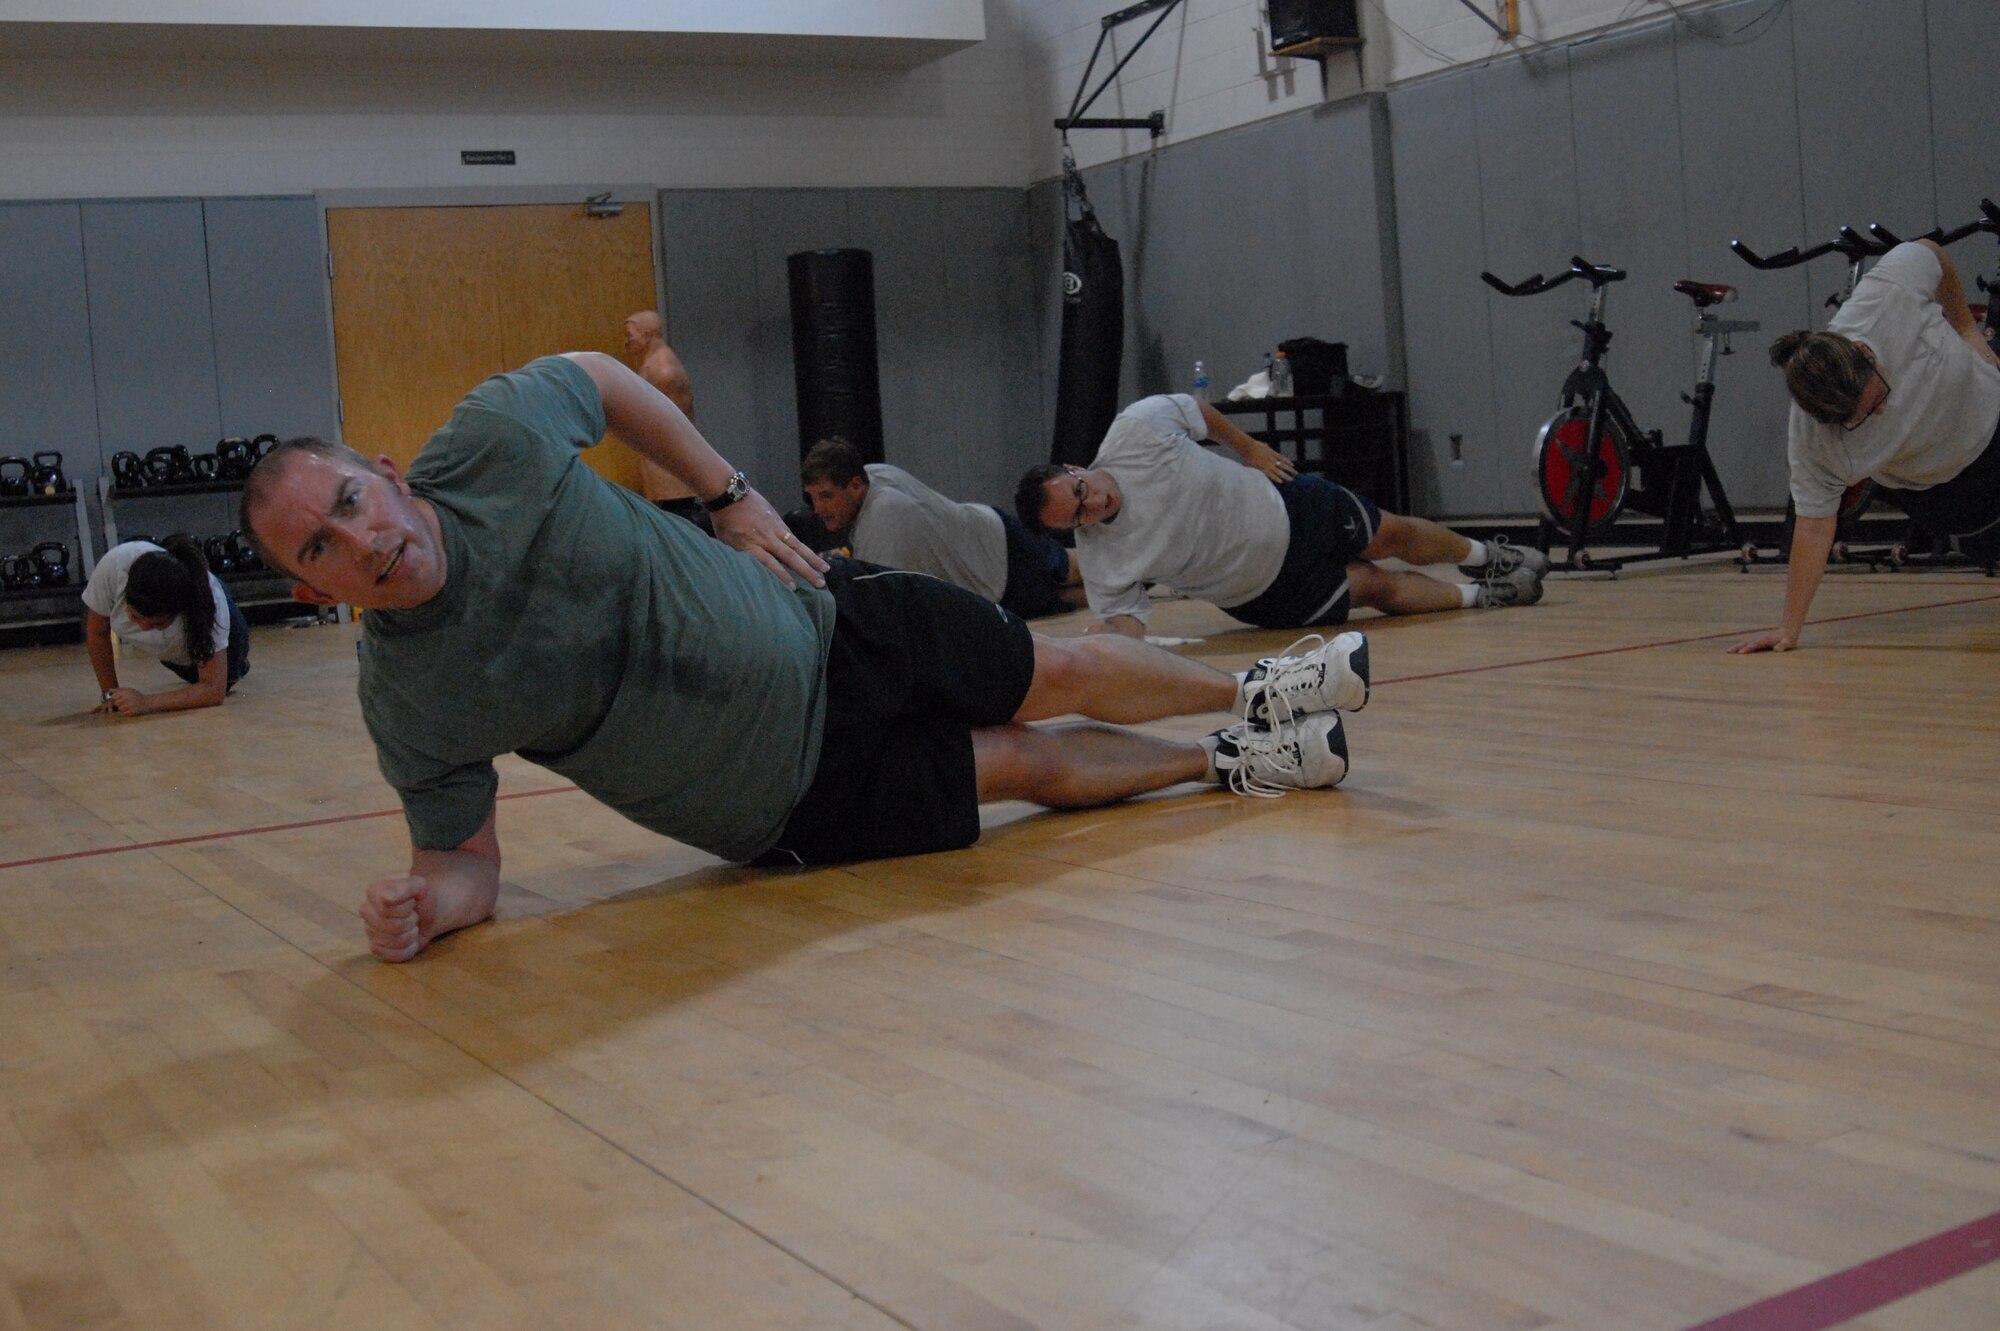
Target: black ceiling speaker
[1295,21]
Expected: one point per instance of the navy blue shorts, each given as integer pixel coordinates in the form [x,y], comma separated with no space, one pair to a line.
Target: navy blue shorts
[1966,505]
[1037,568]
[1331,526]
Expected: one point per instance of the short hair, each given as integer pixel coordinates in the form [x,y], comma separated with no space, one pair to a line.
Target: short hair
[1825,372]
[832,460]
[265,475]
[1032,494]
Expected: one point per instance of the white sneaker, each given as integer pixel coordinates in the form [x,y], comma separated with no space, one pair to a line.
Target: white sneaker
[1264,761]
[1520,587]
[1326,676]
[1503,557]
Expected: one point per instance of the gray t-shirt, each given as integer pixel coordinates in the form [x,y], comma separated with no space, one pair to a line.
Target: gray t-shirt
[1193,517]
[904,523]
[666,674]
[1943,404]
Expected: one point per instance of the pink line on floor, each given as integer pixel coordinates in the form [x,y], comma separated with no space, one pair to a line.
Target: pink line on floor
[1848,1294]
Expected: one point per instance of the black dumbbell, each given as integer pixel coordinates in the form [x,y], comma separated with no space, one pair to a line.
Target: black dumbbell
[51,559]
[48,477]
[128,470]
[14,474]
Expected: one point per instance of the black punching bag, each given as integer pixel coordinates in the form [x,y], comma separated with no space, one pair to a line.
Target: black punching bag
[833,349]
[1093,328]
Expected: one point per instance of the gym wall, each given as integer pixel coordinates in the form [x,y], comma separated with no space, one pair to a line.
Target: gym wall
[135,324]
[956,300]
[1650,148]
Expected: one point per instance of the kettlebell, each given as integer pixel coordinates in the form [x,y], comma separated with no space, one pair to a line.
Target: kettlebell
[206,466]
[242,554]
[14,473]
[261,445]
[159,466]
[128,470]
[216,548]
[51,559]
[48,478]
[17,572]
[234,458]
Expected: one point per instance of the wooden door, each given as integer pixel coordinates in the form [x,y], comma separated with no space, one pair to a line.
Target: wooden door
[429,301]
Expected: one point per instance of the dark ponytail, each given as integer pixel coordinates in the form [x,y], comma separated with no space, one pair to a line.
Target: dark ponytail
[176,583]
[1826,373]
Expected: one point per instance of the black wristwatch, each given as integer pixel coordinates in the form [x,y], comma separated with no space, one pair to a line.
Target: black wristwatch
[739,485]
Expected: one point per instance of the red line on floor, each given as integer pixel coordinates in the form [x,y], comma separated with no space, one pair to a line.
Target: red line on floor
[249,831]
[1848,1294]
[1677,642]
[1404,679]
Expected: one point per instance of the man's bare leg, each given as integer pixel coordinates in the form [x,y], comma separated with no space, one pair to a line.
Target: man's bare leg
[1112,678]
[1417,541]
[1401,593]
[1079,766]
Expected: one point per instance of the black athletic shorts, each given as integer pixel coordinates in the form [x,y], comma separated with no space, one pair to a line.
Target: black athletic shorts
[916,665]
[1037,568]
[1331,526]
[1966,505]
[237,662]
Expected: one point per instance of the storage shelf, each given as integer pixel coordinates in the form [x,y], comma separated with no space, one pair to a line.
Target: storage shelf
[38,501]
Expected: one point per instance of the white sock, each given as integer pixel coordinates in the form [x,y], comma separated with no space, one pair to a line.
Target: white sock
[1468,594]
[1211,776]
[1479,555]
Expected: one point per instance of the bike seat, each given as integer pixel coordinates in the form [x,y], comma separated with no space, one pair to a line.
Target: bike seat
[1704,294]
[1597,274]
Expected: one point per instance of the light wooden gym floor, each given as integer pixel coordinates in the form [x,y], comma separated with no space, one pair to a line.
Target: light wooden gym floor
[1624,984]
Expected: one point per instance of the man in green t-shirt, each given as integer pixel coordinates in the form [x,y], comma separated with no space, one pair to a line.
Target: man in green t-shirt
[738,694]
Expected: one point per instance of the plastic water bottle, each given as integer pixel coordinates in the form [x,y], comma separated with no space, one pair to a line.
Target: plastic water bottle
[1200,382]
[1281,376]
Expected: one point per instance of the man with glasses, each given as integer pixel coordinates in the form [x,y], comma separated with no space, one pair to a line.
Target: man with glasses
[1903,389]
[1239,527]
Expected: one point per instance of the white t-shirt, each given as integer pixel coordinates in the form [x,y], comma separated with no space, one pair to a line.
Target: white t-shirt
[904,523]
[105,593]
[1944,401]
[1192,517]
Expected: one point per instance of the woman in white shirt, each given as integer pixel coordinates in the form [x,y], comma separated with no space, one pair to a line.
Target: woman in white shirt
[162,600]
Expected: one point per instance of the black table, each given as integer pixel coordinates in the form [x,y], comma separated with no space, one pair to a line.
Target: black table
[1360,439]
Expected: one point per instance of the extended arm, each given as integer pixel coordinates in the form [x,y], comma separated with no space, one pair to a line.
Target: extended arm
[645,419]
[103,661]
[1812,538]
[1951,297]
[207,691]
[444,890]
[1258,456]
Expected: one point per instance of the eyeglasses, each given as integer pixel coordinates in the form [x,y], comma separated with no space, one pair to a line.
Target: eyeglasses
[1849,427]
[1081,493]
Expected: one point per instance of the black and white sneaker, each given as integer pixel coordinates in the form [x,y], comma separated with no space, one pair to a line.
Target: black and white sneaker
[1265,761]
[1325,676]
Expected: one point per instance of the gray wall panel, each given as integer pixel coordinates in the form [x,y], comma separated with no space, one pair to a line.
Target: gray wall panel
[1445,316]
[993,373]
[1965,112]
[45,363]
[267,286]
[1739,130]
[919,337]
[151,331]
[719,332]
[1629,208]
[1528,197]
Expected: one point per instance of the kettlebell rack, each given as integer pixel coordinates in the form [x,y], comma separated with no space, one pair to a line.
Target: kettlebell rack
[248,580]
[37,586]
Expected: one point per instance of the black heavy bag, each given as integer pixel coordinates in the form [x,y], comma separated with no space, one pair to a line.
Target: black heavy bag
[1093,328]
[833,349]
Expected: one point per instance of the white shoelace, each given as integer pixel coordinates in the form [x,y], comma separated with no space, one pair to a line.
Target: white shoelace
[1280,747]
[1278,706]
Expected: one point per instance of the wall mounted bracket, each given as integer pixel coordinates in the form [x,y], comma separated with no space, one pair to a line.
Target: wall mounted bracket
[1156,123]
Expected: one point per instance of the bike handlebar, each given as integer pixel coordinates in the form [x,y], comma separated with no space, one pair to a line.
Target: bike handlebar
[1597,274]
[1853,245]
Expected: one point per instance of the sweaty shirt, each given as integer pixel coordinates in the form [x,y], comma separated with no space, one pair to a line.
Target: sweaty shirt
[904,523]
[1943,403]
[668,675]
[1192,517]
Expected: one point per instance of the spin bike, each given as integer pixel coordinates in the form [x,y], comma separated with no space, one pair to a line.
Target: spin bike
[1583,487]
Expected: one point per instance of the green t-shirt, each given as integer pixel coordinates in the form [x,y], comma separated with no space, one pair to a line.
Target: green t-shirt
[666,674]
